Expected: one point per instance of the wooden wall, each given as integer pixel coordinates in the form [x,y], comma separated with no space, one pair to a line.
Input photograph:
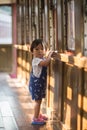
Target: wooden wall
[67,74]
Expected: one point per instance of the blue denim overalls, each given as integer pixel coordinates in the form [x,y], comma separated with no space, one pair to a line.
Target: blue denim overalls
[37,86]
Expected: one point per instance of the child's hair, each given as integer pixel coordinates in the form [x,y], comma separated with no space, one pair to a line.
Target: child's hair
[35,43]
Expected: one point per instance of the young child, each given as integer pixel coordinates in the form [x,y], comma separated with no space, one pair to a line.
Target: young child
[37,83]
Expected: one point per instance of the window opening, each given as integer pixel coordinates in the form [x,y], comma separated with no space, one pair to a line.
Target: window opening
[71,26]
[5,25]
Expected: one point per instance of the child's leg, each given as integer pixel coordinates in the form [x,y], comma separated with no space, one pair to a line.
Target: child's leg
[37,108]
[36,120]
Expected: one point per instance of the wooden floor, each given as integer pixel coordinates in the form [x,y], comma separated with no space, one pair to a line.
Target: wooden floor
[16,107]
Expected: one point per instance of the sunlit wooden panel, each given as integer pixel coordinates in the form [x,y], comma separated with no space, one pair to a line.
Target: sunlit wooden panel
[84,118]
[69,93]
[79,100]
[67,113]
[78,120]
[79,111]
[85,104]
[84,124]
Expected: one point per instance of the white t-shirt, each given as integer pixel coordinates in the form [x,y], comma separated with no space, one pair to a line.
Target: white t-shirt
[36,68]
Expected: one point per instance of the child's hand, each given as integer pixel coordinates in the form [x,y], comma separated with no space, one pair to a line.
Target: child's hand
[49,54]
[55,55]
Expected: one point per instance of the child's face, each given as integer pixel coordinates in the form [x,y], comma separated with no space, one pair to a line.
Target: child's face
[38,51]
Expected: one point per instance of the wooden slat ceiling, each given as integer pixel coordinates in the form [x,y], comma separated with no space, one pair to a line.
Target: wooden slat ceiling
[7,2]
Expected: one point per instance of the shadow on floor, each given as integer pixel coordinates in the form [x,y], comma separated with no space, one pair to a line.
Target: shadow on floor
[16,106]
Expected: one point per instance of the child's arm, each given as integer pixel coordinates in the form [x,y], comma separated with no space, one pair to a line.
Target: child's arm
[47,60]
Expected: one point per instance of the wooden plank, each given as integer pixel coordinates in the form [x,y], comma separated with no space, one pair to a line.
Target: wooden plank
[7,1]
[84,109]
[79,61]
